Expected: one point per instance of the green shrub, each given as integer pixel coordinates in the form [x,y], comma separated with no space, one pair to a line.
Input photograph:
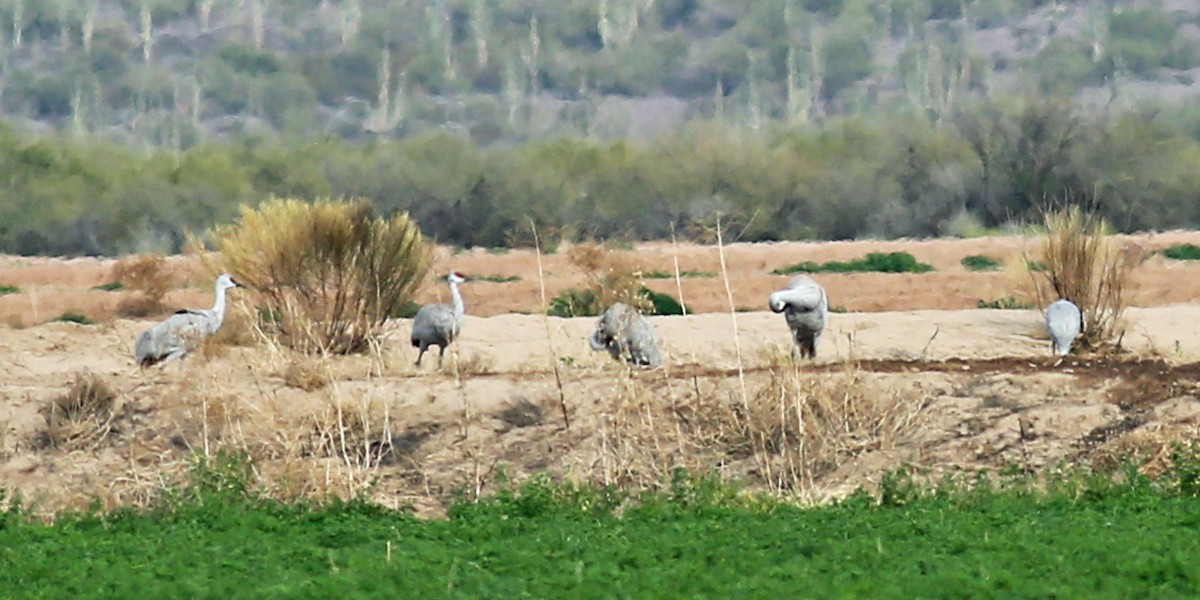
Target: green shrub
[1006,303]
[74,317]
[1037,266]
[874,262]
[1182,252]
[497,278]
[574,303]
[407,310]
[979,262]
[664,304]
[9,289]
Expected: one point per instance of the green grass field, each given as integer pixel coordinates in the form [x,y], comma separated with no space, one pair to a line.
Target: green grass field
[697,539]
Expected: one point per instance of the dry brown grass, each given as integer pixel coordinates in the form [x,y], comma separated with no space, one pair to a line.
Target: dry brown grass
[305,373]
[358,433]
[149,277]
[1087,267]
[795,427]
[82,418]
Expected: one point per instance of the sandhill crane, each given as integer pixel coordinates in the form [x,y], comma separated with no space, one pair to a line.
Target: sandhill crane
[626,335]
[183,331]
[806,308]
[1064,322]
[438,324]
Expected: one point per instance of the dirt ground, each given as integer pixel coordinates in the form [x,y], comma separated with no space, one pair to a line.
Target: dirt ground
[911,374]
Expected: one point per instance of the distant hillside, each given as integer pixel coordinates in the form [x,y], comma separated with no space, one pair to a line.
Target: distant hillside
[171,73]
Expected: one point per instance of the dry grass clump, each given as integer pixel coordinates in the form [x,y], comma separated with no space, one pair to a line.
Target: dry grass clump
[149,277]
[82,418]
[351,432]
[1084,265]
[328,272]
[306,374]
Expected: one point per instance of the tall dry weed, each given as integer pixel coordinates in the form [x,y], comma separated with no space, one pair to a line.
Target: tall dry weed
[328,273]
[1086,266]
[611,276]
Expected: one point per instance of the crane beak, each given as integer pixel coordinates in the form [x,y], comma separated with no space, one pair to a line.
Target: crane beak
[236,283]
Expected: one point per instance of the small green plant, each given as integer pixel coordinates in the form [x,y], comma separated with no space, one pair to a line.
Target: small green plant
[112,286]
[664,304]
[683,274]
[1037,266]
[1182,252]
[979,262]
[74,317]
[9,289]
[1006,303]
[499,250]
[574,303]
[406,310]
[874,262]
[497,278]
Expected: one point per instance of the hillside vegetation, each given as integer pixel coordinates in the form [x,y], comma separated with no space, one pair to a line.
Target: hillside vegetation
[133,122]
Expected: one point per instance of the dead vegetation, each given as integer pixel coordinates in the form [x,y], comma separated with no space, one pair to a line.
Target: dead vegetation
[149,277]
[82,417]
[328,272]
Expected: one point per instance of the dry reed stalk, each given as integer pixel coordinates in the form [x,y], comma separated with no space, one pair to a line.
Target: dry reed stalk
[737,343]
[554,357]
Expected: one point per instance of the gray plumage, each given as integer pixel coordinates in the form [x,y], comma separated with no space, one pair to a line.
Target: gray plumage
[626,335]
[806,308]
[183,331]
[1064,322]
[438,324]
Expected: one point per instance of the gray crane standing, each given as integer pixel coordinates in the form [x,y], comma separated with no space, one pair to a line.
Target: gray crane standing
[438,324]
[184,331]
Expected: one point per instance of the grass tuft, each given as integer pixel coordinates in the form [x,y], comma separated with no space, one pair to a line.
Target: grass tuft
[82,417]
[979,262]
[1006,303]
[74,317]
[6,289]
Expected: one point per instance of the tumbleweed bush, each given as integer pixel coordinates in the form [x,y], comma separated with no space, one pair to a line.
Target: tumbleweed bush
[328,270]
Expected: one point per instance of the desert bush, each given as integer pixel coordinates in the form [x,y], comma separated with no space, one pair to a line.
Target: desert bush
[979,262]
[1182,252]
[149,277]
[1085,266]
[664,304]
[874,262]
[82,417]
[328,270]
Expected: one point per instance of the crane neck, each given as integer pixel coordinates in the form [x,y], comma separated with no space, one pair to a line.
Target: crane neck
[218,309]
[457,300]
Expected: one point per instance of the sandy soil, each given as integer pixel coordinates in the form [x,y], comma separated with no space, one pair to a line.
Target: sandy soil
[916,378]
